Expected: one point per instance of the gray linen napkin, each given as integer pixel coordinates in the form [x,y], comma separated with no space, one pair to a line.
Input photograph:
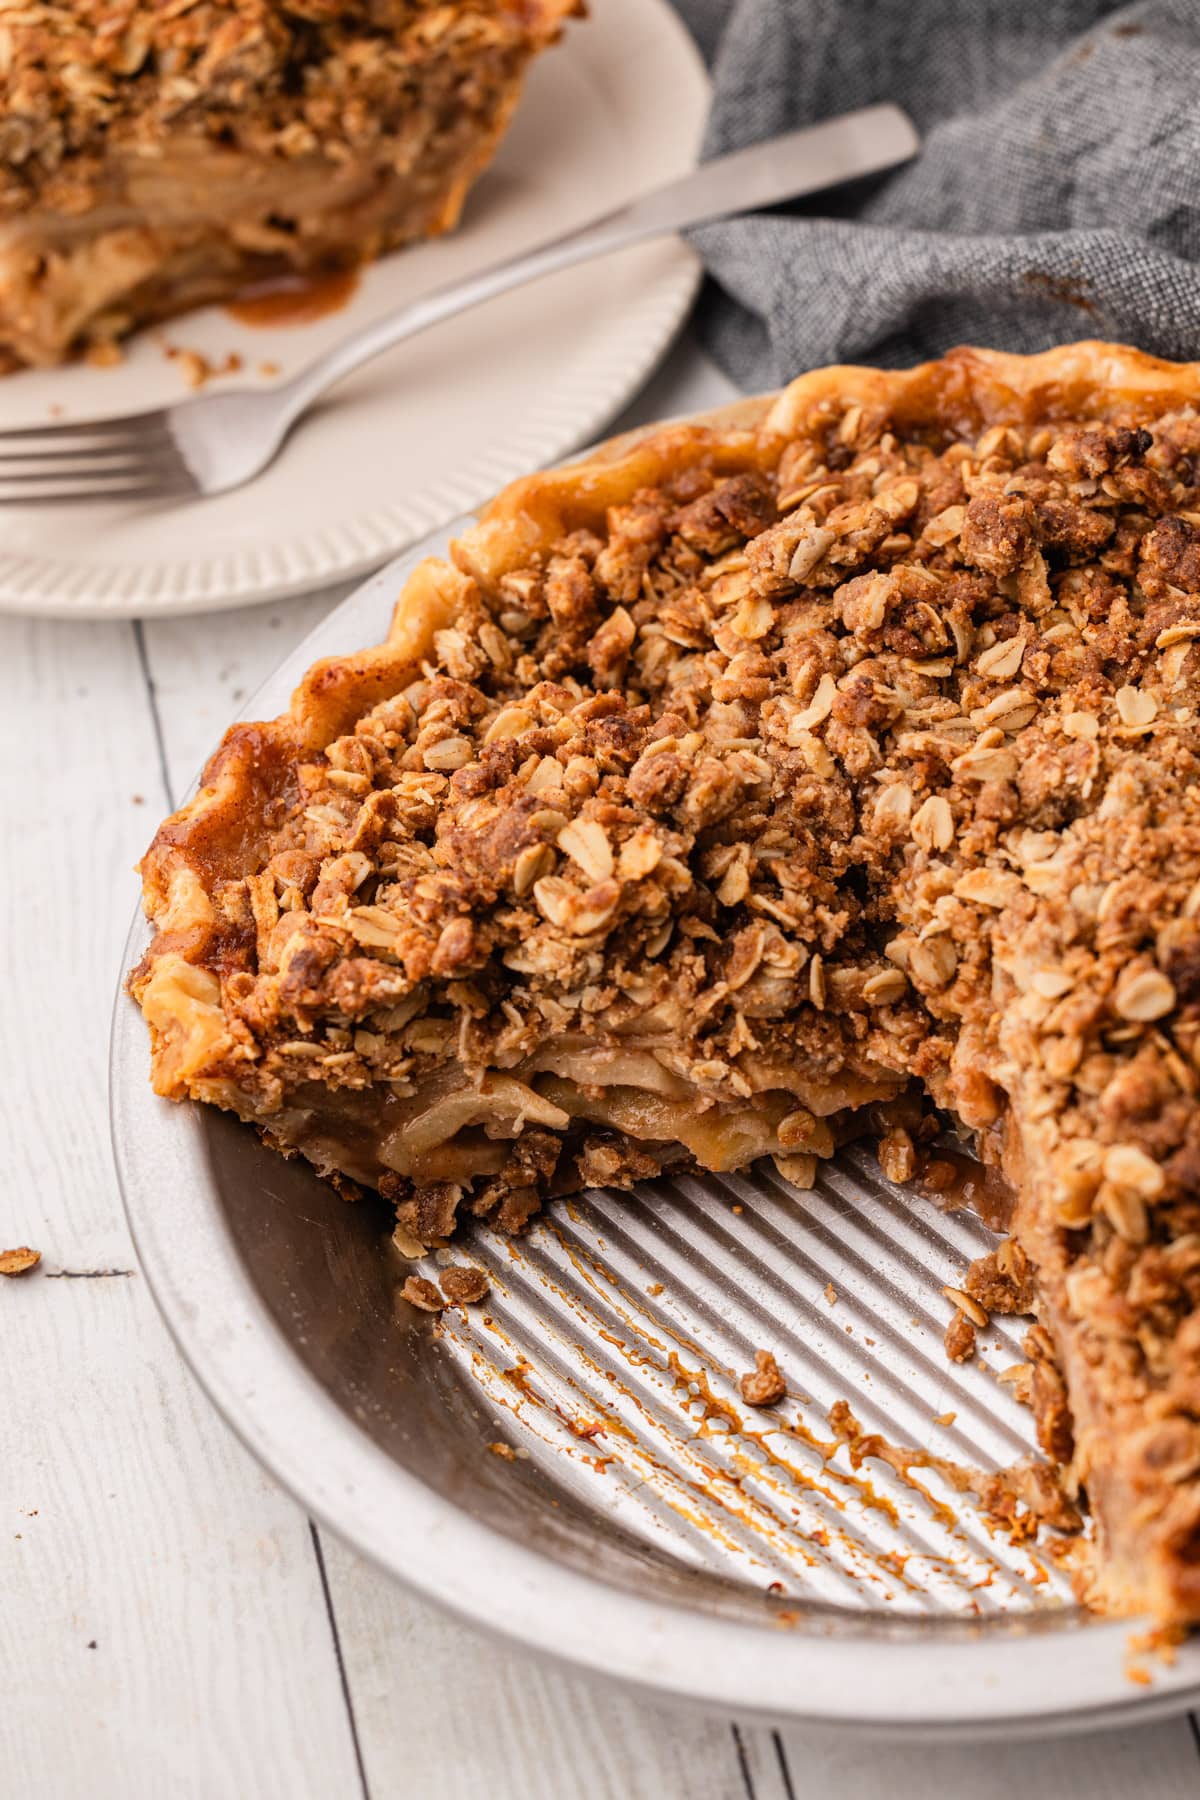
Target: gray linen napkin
[1055,197]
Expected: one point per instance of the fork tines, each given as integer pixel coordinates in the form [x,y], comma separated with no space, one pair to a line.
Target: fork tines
[134,458]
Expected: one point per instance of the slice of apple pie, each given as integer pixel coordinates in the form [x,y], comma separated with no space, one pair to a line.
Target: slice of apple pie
[156,157]
[728,787]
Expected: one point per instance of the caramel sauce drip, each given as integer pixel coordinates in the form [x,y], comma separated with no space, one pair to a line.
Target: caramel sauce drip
[294,299]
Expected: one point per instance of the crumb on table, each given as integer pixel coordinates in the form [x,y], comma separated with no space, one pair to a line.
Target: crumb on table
[19,1261]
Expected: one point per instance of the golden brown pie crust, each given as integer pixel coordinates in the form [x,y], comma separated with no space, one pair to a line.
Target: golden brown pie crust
[846,740]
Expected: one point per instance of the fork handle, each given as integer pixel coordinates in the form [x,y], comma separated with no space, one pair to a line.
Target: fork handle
[783,168]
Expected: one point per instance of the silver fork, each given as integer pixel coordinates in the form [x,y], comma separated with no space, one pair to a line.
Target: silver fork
[215,442]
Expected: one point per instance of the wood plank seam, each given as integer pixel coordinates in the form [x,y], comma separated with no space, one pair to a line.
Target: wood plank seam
[331,1614]
[743,1763]
[785,1773]
[86,1274]
[139,638]
[151,1571]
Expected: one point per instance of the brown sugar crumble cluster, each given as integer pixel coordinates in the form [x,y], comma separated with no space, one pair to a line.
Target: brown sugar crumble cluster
[859,764]
[158,153]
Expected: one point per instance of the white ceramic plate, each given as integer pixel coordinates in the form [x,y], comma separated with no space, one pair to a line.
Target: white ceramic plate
[436,426]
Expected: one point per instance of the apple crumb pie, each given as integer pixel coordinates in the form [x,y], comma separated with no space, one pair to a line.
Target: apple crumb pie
[722,792]
[157,155]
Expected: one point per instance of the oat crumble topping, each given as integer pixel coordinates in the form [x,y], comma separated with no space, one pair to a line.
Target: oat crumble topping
[789,770]
[286,76]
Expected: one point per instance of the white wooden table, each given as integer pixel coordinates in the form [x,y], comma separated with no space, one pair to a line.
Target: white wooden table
[171,1624]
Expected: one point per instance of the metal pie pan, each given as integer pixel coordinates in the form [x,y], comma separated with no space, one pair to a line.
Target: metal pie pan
[570,1464]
